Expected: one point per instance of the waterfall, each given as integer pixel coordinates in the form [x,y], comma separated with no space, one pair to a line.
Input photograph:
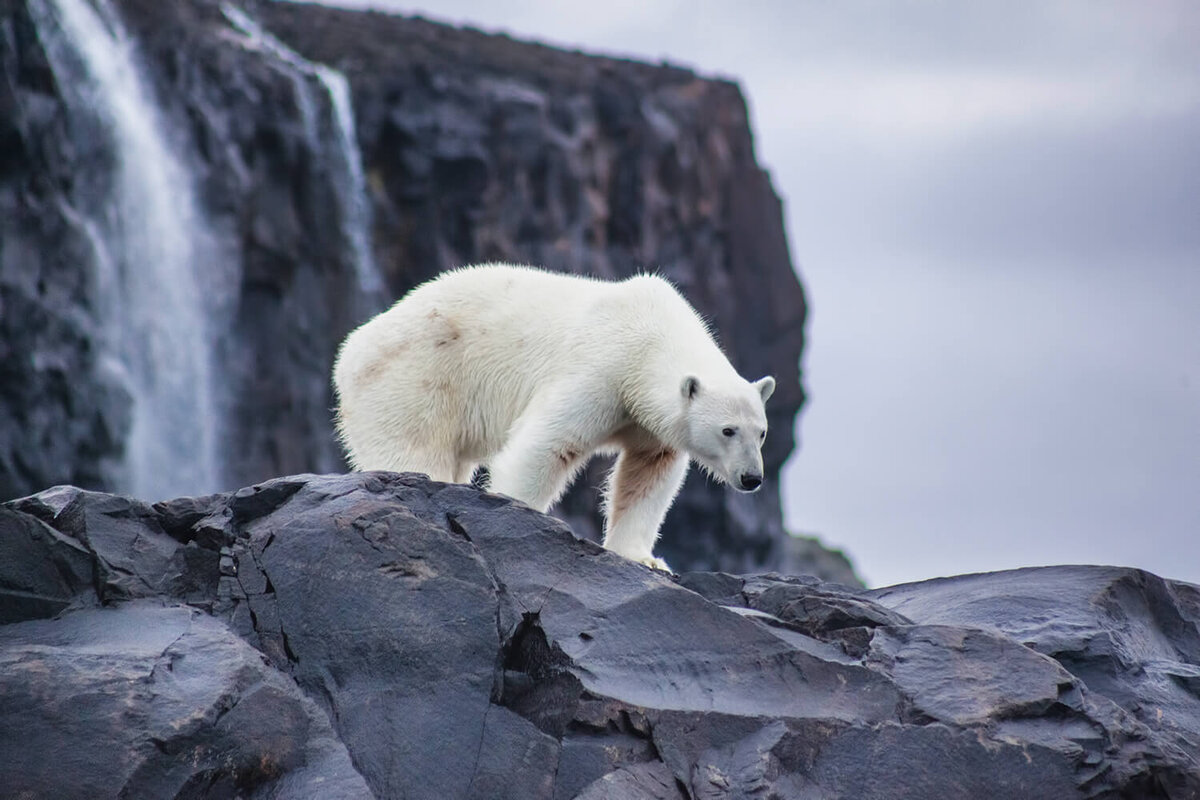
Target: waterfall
[356,211]
[149,243]
[348,181]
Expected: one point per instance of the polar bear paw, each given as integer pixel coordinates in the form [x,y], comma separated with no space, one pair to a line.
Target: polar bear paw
[654,562]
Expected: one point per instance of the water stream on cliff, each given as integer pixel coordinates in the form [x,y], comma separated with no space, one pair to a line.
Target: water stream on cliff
[135,203]
[348,180]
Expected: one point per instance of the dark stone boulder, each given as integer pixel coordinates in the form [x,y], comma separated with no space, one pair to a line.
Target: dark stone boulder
[380,635]
[152,700]
[1131,637]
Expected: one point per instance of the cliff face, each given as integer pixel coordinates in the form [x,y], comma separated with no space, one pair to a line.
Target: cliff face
[380,635]
[316,199]
[481,148]
[250,199]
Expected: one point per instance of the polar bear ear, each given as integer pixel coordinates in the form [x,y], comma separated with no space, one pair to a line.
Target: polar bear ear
[766,387]
[690,387]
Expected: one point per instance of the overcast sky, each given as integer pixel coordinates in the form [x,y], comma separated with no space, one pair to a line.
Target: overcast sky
[995,209]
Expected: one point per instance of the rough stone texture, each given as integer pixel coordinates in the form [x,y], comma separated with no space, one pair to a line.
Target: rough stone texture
[1132,637]
[160,702]
[64,419]
[380,635]
[266,186]
[475,147]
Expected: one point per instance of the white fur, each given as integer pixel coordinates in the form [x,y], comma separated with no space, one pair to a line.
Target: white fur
[531,373]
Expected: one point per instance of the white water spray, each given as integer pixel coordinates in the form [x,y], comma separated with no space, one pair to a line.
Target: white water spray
[351,187]
[149,242]
[356,209]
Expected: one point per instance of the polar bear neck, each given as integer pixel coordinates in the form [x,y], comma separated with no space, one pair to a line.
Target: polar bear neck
[672,342]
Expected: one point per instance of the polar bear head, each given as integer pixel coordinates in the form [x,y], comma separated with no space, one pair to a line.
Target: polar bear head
[726,427]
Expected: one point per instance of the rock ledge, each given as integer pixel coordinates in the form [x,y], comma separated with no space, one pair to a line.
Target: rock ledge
[381,635]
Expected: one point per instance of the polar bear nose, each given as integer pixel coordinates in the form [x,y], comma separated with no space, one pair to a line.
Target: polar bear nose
[751,482]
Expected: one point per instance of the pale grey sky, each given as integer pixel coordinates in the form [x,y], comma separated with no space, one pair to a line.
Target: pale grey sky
[995,208]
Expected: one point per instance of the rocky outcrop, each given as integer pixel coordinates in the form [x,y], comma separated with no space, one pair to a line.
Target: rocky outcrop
[468,146]
[379,635]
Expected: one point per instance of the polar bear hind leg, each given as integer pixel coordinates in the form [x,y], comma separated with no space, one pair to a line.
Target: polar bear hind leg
[438,464]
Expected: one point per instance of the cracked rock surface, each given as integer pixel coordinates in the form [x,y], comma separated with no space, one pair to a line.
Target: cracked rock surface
[381,635]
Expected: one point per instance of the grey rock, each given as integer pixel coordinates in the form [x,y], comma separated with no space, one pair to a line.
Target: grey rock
[42,571]
[806,555]
[146,700]
[415,639]
[127,563]
[1132,638]
[651,781]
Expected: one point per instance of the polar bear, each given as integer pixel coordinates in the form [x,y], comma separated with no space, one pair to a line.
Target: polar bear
[531,373]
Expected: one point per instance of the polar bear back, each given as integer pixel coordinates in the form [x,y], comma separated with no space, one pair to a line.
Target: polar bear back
[458,359]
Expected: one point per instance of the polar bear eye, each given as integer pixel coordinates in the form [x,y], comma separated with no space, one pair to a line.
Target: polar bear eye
[728,431]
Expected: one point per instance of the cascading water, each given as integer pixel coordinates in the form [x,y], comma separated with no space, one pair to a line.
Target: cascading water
[356,209]
[149,243]
[349,183]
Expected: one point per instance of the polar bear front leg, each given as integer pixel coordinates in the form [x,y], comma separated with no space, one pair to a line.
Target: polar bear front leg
[641,489]
[538,461]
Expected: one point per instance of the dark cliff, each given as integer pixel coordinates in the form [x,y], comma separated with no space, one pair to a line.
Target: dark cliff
[466,147]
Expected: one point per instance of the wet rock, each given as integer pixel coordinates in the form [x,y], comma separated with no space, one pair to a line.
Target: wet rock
[381,635]
[1132,638]
[146,700]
